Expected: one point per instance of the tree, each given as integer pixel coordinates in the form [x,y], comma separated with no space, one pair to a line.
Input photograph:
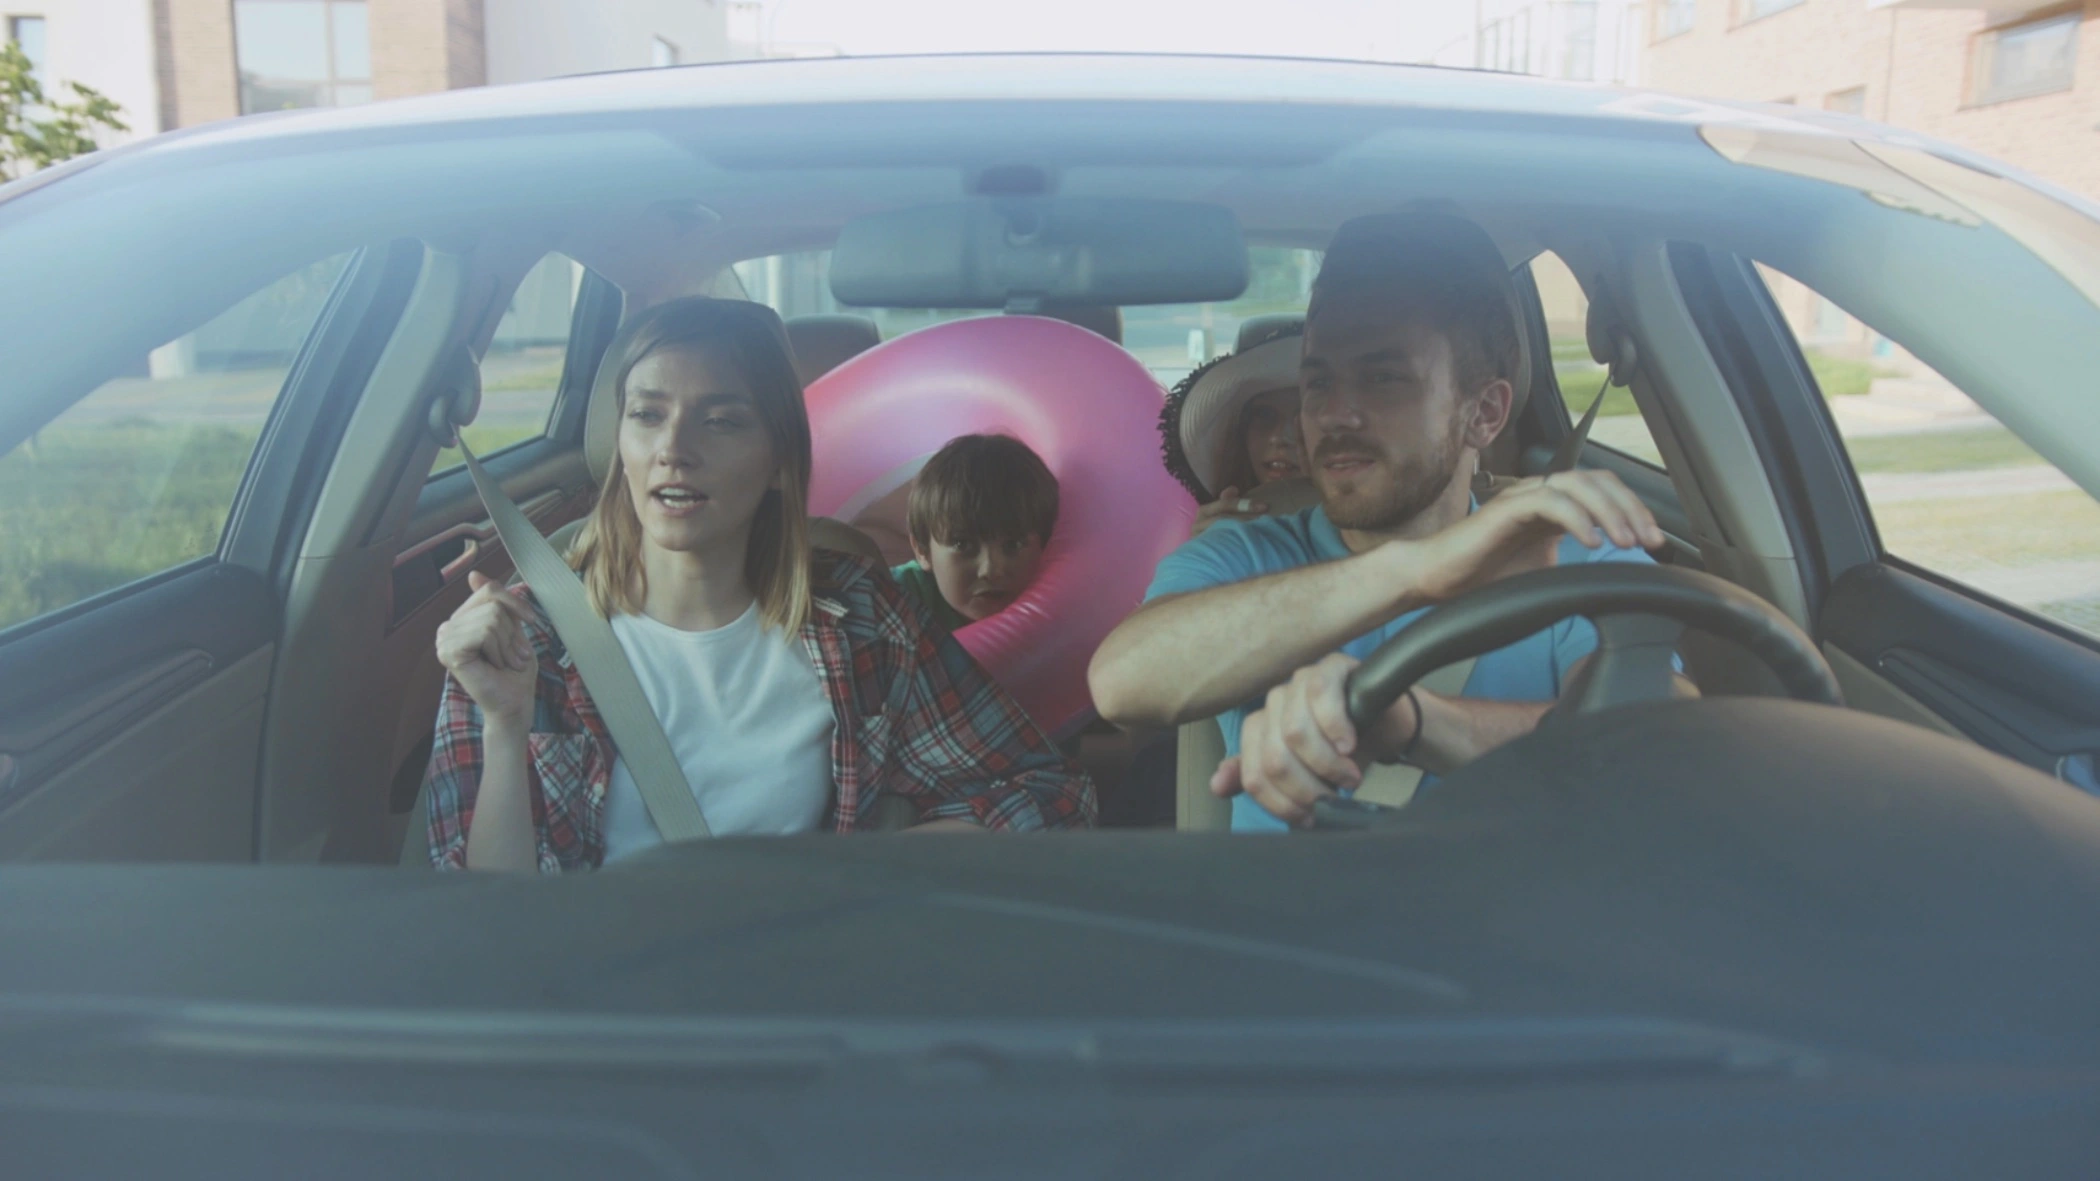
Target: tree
[38,130]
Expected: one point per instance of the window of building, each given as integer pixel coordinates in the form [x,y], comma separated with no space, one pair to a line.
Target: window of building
[1619,424]
[1847,102]
[1750,10]
[2020,61]
[1950,489]
[522,371]
[1171,339]
[302,53]
[29,35]
[1673,17]
[662,53]
[139,476]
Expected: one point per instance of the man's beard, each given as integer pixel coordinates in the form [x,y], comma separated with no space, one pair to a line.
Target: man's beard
[1417,482]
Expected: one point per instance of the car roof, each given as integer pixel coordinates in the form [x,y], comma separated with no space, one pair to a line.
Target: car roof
[1040,77]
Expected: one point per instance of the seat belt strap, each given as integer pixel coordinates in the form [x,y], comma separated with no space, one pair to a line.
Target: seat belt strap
[637,735]
[1570,450]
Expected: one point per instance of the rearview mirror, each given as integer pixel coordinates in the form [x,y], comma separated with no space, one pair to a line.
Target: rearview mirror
[1025,253]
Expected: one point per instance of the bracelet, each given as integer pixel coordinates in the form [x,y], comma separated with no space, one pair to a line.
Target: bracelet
[1407,752]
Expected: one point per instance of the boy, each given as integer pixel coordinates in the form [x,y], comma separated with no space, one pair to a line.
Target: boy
[980,514]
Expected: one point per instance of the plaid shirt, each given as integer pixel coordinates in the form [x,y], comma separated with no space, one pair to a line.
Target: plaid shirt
[915,718]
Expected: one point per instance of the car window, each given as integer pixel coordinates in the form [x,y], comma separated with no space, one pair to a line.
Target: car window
[1578,376]
[1951,490]
[521,373]
[139,476]
[1171,339]
[799,284]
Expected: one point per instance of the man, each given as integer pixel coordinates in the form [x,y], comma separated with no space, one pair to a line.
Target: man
[1410,355]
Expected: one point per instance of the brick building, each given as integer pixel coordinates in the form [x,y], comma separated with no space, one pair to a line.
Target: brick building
[2015,79]
[177,63]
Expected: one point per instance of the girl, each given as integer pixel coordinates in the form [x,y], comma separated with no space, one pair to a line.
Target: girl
[1232,426]
[798,689]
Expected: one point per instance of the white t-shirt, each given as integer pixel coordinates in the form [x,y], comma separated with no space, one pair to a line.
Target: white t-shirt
[746,717]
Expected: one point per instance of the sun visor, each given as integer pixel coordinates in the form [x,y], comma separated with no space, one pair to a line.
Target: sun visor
[1027,253]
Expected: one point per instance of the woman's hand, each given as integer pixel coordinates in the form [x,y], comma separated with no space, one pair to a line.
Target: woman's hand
[484,647]
[1227,507]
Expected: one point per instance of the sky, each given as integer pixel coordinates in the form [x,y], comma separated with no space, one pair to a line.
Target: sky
[1381,30]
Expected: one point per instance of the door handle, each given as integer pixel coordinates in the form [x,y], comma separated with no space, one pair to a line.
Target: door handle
[469,554]
[469,538]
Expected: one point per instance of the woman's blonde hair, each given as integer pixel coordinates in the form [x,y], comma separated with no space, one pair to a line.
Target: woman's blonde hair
[608,550]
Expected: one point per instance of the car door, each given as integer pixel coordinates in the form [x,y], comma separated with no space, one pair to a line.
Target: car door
[1953,573]
[138,598]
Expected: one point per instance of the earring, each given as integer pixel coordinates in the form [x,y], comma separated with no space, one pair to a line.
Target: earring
[1482,479]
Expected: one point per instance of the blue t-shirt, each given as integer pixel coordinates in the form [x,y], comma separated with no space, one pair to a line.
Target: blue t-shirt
[1234,551]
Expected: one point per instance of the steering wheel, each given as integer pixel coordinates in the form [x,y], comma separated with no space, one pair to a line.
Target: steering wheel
[1641,612]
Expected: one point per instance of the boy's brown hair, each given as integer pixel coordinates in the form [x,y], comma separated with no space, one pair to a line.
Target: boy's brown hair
[983,488]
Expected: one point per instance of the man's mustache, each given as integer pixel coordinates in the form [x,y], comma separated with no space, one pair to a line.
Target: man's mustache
[1348,447]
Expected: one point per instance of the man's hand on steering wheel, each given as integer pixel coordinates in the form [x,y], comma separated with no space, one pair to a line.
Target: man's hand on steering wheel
[1521,528]
[1301,747]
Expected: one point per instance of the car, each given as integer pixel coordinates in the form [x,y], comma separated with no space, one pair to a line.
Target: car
[1753,933]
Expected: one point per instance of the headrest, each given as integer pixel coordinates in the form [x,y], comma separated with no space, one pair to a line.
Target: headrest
[1436,255]
[1256,329]
[1206,405]
[823,343]
[601,419]
[1101,321]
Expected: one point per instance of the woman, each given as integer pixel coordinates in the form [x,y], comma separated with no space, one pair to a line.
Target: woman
[798,689]
[1231,427]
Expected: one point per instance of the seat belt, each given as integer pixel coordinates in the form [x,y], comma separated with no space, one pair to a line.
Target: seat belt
[636,733]
[1570,450]
[1394,784]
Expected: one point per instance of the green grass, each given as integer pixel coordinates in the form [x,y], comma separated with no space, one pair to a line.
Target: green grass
[95,507]
[1842,377]
[1982,449]
[92,507]
[1578,377]
[1578,384]
[1961,535]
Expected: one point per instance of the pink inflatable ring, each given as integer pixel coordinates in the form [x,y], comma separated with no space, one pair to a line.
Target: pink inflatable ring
[1088,408]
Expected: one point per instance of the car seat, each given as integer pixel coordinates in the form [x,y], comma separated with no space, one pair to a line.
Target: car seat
[822,343]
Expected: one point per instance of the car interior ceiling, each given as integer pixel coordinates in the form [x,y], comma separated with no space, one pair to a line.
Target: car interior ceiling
[329,740]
